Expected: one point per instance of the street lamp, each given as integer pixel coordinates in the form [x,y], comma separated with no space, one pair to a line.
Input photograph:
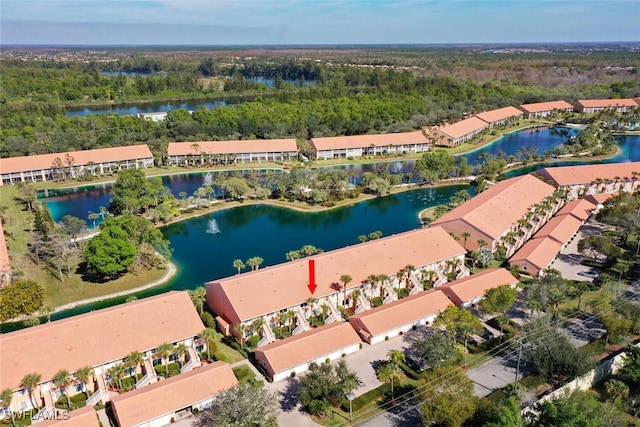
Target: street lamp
[350,396]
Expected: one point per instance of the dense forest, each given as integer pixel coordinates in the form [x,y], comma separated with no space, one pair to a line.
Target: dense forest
[314,92]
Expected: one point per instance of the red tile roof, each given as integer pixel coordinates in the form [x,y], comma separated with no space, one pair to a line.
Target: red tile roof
[96,338]
[580,208]
[308,346]
[232,147]
[494,210]
[170,395]
[546,106]
[402,312]
[360,141]
[599,199]
[499,114]
[560,228]
[100,155]
[538,252]
[607,103]
[5,262]
[83,417]
[475,286]
[587,174]
[246,296]
[463,127]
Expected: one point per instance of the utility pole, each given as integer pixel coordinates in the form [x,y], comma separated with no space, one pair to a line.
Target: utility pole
[515,382]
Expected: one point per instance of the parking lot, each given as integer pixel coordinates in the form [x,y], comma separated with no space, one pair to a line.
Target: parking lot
[568,262]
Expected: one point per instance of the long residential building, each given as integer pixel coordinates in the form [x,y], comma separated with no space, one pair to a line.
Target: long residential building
[545,109]
[229,152]
[579,181]
[458,133]
[389,320]
[507,213]
[165,402]
[538,254]
[501,116]
[47,167]
[292,355]
[471,289]
[100,340]
[83,417]
[596,105]
[340,147]
[278,295]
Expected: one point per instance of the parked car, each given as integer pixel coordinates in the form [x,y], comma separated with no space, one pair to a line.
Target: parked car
[590,274]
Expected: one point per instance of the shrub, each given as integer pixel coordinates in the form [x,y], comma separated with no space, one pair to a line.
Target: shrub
[293,374]
[208,320]
[254,340]
[408,371]
[318,407]
[377,301]
[220,357]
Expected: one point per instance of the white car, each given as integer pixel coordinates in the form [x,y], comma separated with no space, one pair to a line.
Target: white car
[590,274]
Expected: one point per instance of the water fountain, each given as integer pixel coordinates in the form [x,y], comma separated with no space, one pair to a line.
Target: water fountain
[208,179]
[212,227]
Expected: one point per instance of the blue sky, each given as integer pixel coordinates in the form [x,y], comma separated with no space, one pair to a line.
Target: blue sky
[241,22]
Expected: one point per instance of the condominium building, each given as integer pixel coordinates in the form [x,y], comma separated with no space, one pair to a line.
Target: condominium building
[340,147]
[545,109]
[231,152]
[47,167]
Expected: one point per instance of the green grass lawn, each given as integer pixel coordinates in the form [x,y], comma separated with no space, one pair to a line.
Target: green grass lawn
[17,226]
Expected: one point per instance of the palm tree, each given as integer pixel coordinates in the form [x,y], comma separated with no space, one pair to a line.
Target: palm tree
[256,325]
[254,262]
[182,350]
[362,238]
[345,279]
[208,335]
[116,373]
[5,400]
[239,264]
[389,372]
[241,330]
[290,315]
[325,310]
[482,243]
[292,255]
[198,298]
[61,380]
[165,350]
[133,360]
[29,382]
[465,235]
[354,295]
[83,374]
[310,303]
[409,269]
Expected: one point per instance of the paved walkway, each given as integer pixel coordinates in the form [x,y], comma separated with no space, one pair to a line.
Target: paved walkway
[171,270]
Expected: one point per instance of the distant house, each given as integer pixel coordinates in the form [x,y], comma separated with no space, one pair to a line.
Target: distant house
[545,109]
[493,216]
[229,152]
[46,167]
[340,147]
[278,295]
[389,320]
[501,116]
[165,402]
[595,105]
[458,133]
[100,339]
[293,355]
[471,289]
[586,180]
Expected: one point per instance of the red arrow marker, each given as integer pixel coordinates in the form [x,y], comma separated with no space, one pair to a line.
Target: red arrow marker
[312,276]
